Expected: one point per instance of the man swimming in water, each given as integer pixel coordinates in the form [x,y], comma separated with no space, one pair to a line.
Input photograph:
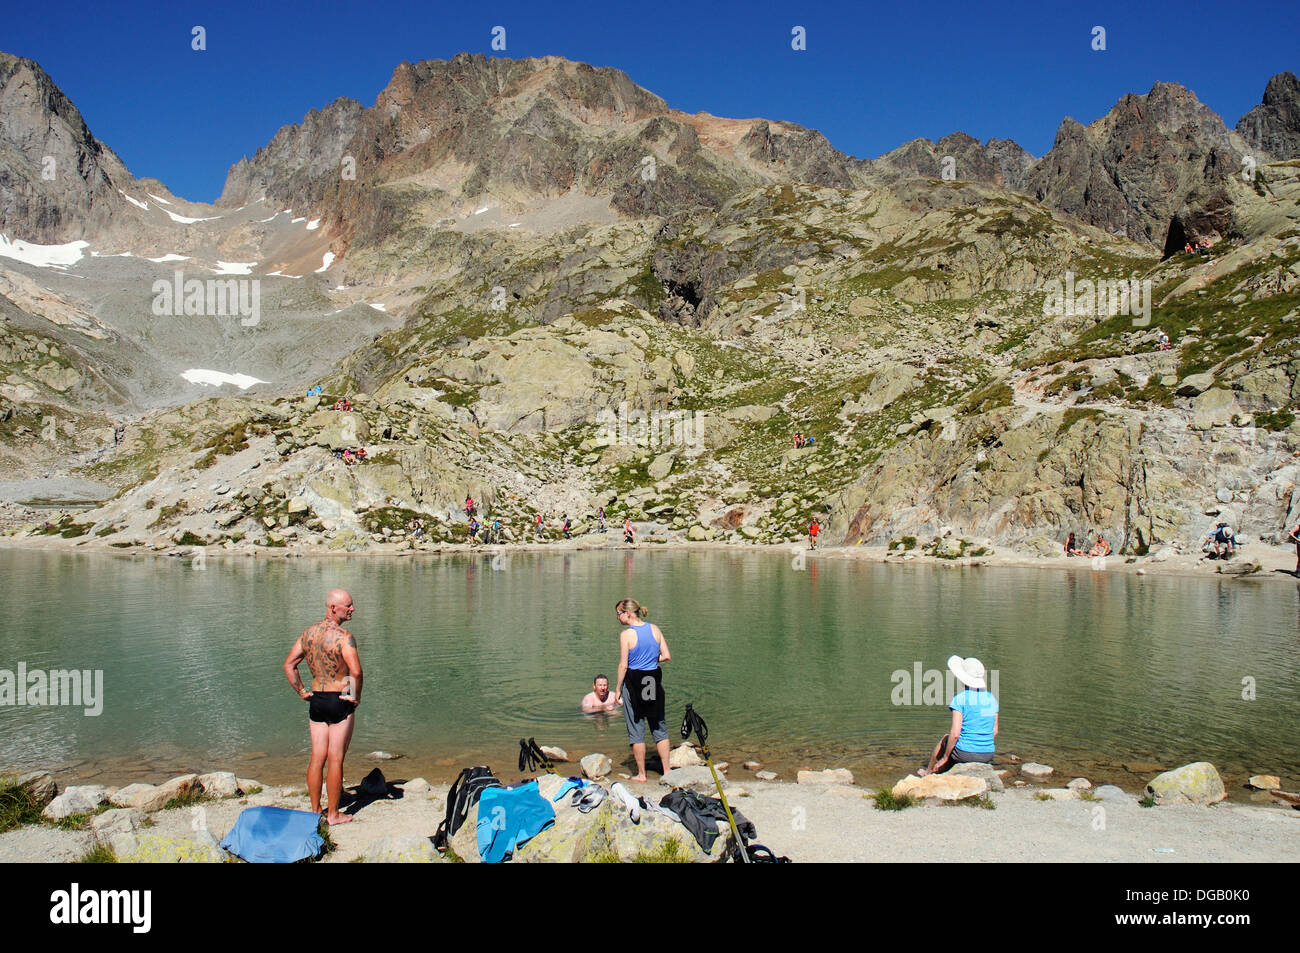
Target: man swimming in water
[331,653]
[600,698]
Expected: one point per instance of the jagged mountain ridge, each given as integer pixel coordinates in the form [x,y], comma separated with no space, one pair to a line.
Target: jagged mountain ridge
[518,132]
[869,316]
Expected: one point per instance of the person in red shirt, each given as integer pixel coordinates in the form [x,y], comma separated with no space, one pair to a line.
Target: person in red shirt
[813,530]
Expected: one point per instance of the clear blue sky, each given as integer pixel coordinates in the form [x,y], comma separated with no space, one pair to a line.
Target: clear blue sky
[873,75]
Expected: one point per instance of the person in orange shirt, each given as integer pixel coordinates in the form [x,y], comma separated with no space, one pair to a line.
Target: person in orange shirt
[813,530]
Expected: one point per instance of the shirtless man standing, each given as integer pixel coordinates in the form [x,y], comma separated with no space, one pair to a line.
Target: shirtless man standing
[331,653]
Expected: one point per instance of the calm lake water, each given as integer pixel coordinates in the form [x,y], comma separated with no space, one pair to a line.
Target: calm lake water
[792,668]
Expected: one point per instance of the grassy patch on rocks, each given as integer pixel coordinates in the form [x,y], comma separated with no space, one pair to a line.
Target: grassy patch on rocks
[886,801]
[99,854]
[17,806]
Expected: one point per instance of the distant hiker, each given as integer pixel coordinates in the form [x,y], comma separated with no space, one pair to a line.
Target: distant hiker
[118,433]
[813,529]
[600,698]
[541,526]
[974,721]
[1294,536]
[1100,547]
[496,529]
[1162,340]
[641,649]
[1187,248]
[1071,549]
[1222,541]
[629,533]
[600,520]
[361,454]
[567,526]
[473,528]
[349,457]
[331,653]
[798,440]
[469,506]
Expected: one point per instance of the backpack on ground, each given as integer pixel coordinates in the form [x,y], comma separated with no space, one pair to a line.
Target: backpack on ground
[464,794]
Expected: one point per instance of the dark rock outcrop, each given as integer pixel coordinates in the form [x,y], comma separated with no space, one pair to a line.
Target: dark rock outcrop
[1273,127]
[1133,169]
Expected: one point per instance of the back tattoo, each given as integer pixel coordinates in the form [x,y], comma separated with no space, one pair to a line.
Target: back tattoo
[322,646]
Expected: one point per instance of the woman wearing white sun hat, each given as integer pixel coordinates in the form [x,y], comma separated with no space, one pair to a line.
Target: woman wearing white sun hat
[974,720]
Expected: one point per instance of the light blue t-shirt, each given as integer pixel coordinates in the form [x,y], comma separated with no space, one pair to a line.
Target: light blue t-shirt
[979,710]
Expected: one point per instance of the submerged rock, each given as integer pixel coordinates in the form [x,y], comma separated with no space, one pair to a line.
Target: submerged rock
[1033,769]
[1265,782]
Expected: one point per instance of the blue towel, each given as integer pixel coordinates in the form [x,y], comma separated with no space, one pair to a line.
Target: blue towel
[274,835]
[510,817]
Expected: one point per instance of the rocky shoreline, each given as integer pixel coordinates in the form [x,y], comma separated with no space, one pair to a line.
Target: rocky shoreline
[1257,561]
[822,817]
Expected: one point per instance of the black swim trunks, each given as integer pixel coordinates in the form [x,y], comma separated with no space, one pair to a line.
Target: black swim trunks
[329,708]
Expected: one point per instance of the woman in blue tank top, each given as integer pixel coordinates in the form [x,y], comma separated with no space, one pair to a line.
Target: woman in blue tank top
[642,648]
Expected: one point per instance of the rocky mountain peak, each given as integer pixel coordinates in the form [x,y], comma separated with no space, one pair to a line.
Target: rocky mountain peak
[58,183]
[1273,127]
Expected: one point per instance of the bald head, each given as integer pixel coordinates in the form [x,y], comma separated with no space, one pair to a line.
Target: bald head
[338,605]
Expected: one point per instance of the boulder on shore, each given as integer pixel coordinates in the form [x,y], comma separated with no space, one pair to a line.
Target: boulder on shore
[1196,783]
[684,756]
[696,777]
[974,769]
[76,800]
[945,787]
[40,785]
[218,784]
[142,797]
[829,776]
[595,766]
[119,820]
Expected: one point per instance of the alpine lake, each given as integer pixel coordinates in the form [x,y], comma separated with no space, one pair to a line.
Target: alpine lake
[1106,675]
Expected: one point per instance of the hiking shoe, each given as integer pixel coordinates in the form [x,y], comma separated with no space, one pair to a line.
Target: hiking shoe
[592,797]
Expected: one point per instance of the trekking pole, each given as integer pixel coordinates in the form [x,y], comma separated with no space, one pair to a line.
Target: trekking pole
[532,757]
[692,722]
